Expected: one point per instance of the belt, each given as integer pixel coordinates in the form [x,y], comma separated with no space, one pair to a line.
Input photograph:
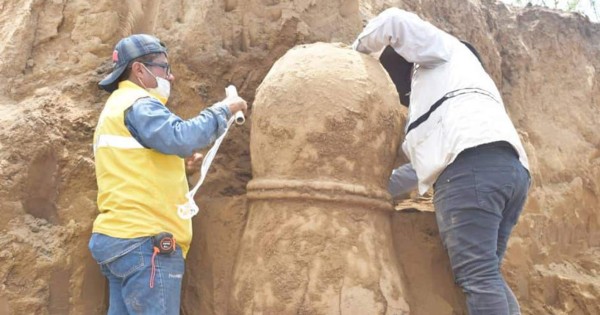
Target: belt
[496,144]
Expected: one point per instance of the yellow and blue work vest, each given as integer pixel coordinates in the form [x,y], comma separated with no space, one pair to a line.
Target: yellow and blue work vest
[138,188]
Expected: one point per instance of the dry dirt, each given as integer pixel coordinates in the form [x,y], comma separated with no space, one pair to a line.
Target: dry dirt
[53,53]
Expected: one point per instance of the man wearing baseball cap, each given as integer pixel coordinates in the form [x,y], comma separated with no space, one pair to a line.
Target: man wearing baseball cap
[138,239]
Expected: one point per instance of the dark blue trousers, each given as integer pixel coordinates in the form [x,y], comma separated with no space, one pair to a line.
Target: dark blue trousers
[478,199]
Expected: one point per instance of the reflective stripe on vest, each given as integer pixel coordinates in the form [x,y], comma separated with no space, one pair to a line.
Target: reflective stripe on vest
[119,142]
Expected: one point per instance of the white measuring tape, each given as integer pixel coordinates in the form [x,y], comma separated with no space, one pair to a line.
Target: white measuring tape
[190,208]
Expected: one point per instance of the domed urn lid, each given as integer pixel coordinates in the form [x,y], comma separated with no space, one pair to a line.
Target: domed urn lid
[328,116]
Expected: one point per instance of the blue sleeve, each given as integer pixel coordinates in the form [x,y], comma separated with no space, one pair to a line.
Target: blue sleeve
[155,127]
[403,180]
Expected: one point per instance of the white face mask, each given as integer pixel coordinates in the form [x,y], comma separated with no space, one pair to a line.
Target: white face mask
[162,89]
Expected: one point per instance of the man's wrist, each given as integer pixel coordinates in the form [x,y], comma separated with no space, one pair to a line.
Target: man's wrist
[223,108]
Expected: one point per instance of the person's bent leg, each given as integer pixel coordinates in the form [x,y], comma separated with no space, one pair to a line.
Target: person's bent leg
[470,197]
[470,240]
[510,217]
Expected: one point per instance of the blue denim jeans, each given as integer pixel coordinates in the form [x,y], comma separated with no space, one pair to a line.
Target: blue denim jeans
[127,264]
[478,199]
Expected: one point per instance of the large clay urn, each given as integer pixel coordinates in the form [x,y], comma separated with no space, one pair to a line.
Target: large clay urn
[326,127]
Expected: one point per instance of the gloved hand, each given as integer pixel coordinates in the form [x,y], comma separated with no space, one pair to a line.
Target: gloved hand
[403,180]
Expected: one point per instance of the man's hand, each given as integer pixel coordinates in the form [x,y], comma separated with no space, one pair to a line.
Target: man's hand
[193,163]
[235,104]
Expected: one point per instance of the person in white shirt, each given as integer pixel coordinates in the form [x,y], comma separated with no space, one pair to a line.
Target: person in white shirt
[460,141]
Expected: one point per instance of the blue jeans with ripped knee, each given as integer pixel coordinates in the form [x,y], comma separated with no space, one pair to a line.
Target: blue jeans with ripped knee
[478,199]
[127,265]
